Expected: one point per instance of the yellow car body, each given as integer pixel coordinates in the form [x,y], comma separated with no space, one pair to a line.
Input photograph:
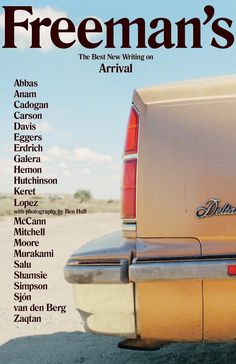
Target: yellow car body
[171,275]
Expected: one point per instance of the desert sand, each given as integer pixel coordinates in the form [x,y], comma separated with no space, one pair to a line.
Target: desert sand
[59,338]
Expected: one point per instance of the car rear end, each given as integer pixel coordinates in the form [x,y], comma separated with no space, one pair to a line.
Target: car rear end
[171,274]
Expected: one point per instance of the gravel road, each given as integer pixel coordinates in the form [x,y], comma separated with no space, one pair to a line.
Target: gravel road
[57,339]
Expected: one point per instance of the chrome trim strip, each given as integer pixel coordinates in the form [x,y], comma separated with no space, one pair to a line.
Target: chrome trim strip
[87,274]
[130,156]
[135,107]
[129,226]
[144,272]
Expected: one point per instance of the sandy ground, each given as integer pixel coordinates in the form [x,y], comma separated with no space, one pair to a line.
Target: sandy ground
[57,339]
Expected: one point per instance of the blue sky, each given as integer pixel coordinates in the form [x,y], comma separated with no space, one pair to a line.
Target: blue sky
[84,128]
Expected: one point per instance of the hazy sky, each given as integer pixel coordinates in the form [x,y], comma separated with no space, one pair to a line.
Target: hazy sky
[84,128]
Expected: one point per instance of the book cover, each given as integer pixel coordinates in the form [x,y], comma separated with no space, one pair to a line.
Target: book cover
[80,151]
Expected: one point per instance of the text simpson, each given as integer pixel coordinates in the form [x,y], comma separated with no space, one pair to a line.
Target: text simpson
[162,37]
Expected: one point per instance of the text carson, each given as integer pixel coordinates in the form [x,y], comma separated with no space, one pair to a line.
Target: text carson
[162,37]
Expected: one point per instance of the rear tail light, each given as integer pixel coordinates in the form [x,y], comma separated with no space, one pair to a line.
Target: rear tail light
[131,143]
[128,206]
[232,270]
[129,189]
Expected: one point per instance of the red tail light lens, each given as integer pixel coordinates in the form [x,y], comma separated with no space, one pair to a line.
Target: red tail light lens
[232,270]
[128,208]
[131,143]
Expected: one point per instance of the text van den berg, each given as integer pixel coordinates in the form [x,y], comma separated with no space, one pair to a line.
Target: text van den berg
[161,37]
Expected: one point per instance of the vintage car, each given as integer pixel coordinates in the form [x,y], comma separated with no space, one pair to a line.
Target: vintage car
[170,275]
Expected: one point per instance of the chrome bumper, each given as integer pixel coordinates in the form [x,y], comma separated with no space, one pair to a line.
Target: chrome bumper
[177,270]
[103,295]
[94,273]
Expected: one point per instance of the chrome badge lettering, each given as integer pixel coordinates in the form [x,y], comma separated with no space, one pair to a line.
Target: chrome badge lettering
[212,208]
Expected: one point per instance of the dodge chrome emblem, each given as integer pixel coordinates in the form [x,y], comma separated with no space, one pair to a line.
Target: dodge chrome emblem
[213,208]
